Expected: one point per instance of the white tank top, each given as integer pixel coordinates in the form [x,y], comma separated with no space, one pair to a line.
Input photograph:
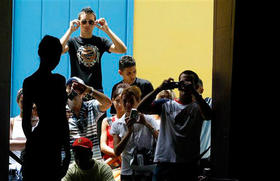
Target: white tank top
[17,129]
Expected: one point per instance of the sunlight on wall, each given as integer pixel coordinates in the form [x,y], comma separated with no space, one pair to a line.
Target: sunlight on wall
[173,36]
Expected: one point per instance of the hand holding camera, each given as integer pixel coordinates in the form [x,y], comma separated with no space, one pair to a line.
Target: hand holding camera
[134,114]
[167,84]
[136,117]
[76,89]
[182,85]
[133,117]
[72,94]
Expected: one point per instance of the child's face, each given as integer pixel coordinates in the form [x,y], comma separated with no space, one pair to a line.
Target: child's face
[118,104]
[129,102]
[128,74]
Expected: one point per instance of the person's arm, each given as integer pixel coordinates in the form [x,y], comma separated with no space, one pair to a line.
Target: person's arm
[120,143]
[153,130]
[104,101]
[118,46]
[12,120]
[205,109]
[103,138]
[74,25]
[17,145]
[146,104]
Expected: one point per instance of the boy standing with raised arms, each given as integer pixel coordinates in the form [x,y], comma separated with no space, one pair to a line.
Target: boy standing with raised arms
[87,49]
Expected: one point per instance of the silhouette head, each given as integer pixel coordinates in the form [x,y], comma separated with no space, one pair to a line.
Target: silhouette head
[49,51]
[82,152]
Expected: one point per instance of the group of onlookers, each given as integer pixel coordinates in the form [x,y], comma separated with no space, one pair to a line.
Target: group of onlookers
[150,134]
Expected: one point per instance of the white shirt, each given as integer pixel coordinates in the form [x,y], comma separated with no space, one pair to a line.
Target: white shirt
[178,142]
[141,136]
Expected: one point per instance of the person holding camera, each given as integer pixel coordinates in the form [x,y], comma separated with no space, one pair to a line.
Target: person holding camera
[83,122]
[178,146]
[134,133]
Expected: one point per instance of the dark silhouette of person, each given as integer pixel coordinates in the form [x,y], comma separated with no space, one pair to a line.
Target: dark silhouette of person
[47,153]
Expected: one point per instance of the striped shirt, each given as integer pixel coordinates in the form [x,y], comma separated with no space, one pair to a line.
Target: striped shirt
[85,125]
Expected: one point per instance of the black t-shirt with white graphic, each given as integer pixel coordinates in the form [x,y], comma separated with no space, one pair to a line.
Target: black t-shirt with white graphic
[85,58]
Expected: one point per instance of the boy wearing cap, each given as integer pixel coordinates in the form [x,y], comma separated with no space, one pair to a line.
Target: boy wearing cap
[85,168]
[83,122]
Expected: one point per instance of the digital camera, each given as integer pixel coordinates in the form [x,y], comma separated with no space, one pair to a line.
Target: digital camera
[173,85]
[72,94]
[134,114]
[179,85]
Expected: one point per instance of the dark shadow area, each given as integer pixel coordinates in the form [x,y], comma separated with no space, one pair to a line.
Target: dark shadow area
[240,145]
[5,84]
[45,143]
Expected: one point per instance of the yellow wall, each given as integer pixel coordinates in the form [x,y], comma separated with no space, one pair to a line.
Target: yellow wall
[171,36]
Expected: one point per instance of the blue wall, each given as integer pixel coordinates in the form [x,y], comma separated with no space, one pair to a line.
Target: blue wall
[32,19]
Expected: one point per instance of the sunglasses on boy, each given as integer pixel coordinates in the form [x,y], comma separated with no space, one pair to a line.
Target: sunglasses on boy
[91,22]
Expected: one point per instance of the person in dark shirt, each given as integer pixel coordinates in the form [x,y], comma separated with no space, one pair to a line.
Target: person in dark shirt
[86,50]
[127,69]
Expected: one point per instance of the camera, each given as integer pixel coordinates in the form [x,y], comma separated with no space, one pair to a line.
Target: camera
[79,87]
[173,85]
[180,85]
[72,94]
[134,114]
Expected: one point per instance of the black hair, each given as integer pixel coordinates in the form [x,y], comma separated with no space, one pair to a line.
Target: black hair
[194,77]
[19,93]
[200,82]
[126,61]
[86,10]
[119,89]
